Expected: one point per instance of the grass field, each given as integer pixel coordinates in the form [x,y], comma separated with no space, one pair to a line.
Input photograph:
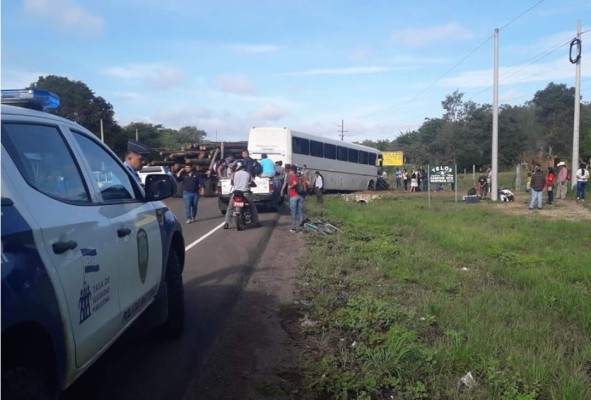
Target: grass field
[407,299]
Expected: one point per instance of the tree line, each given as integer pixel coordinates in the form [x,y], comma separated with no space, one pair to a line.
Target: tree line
[79,103]
[539,130]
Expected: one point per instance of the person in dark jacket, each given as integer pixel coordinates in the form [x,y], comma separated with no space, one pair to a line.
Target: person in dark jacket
[538,183]
[192,183]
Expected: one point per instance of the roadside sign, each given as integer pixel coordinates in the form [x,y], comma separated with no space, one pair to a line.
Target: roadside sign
[442,174]
[393,159]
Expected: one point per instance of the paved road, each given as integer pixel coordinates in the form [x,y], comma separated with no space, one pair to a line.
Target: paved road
[217,265]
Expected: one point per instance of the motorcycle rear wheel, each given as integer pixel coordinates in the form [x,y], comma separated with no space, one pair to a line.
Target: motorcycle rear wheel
[240,220]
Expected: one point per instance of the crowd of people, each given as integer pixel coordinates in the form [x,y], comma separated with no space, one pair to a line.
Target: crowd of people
[289,182]
[294,184]
[540,181]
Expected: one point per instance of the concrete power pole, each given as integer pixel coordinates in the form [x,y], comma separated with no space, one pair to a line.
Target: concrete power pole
[495,122]
[343,131]
[577,61]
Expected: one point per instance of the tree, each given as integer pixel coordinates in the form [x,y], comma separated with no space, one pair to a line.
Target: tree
[191,134]
[555,111]
[382,145]
[79,104]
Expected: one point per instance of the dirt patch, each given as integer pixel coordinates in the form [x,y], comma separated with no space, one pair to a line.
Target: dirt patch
[569,210]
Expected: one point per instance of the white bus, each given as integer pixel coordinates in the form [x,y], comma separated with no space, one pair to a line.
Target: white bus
[344,166]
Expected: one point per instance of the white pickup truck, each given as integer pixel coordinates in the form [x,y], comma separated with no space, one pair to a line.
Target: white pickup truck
[264,193]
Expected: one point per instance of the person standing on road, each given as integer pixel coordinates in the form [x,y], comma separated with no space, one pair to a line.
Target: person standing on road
[582,176]
[550,185]
[562,180]
[296,201]
[192,184]
[538,182]
[134,163]
[318,186]
[241,180]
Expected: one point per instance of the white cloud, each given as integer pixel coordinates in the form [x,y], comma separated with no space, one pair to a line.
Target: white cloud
[66,15]
[153,74]
[556,70]
[271,113]
[361,53]
[237,84]
[341,71]
[423,37]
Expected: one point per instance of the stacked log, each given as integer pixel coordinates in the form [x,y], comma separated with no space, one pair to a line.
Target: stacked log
[202,156]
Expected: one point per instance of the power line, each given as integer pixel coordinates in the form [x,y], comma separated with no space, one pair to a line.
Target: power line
[469,54]
[521,15]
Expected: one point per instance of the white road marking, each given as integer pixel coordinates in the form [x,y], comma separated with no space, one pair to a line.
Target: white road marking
[196,242]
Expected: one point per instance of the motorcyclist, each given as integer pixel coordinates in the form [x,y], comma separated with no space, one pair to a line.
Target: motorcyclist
[241,180]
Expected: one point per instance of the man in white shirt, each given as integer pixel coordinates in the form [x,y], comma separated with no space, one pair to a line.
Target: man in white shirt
[318,186]
[241,181]
[582,179]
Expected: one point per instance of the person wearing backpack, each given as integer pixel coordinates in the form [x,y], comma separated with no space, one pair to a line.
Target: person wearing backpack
[297,189]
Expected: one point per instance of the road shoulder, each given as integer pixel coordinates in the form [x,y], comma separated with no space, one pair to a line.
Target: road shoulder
[254,352]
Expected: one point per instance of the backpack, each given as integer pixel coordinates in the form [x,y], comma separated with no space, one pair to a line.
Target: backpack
[257,168]
[300,187]
[568,176]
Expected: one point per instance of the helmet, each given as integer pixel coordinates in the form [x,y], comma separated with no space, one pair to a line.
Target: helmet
[238,165]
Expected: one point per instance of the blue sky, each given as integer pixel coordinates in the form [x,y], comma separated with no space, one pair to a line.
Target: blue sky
[382,66]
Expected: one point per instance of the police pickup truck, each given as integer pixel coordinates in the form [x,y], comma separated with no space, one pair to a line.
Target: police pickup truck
[86,249]
[264,193]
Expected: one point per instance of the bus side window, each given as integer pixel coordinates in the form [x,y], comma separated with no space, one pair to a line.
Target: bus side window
[342,153]
[330,151]
[300,146]
[363,157]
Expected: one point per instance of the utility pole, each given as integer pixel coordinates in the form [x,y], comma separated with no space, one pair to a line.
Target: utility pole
[136,135]
[577,61]
[495,122]
[343,131]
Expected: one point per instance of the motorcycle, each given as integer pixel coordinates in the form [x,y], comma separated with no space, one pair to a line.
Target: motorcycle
[241,213]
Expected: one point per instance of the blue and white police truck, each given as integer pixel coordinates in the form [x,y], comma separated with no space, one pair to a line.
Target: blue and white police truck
[86,250]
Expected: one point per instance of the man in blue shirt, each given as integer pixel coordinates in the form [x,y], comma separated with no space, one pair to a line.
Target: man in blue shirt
[268,166]
[192,183]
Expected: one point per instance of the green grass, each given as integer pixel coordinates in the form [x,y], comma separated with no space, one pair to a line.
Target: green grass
[409,298]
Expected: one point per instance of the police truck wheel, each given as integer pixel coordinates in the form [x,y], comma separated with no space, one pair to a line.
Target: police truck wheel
[175,294]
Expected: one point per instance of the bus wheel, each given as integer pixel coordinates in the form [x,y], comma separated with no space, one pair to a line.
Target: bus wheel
[371,186]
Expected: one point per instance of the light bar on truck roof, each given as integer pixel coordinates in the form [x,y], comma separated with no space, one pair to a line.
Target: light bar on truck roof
[30,98]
